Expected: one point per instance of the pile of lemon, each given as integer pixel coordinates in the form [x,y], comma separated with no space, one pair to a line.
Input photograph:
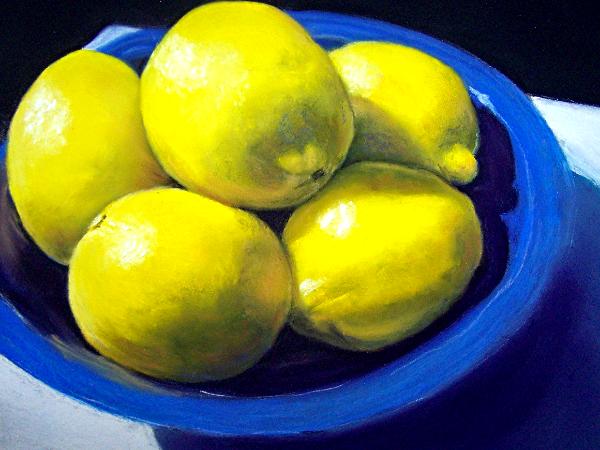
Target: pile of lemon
[146,188]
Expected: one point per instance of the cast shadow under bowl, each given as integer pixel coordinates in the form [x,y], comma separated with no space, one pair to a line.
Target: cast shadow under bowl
[36,287]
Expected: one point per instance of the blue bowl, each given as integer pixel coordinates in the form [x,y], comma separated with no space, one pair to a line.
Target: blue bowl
[301,387]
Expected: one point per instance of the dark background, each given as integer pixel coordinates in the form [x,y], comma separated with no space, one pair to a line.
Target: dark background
[550,49]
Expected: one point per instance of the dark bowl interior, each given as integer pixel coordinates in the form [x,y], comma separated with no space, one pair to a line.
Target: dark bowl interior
[36,287]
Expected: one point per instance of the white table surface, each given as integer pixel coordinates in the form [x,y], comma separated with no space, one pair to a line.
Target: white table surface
[35,416]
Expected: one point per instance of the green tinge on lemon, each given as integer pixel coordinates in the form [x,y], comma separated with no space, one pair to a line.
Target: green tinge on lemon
[378,254]
[240,104]
[178,286]
[410,108]
[75,144]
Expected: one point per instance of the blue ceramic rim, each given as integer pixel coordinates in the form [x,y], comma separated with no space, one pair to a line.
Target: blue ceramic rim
[544,184]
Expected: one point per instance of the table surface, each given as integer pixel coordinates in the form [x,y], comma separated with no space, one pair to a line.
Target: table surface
[564,414]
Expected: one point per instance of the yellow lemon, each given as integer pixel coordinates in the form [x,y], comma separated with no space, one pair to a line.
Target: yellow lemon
[410,108]
[178,286]
[378,254]
[242,105]
[75,144]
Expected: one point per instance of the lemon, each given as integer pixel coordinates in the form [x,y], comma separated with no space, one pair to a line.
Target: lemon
[378,254]
[178,286]
[410,108]
[242,105]
[77,142]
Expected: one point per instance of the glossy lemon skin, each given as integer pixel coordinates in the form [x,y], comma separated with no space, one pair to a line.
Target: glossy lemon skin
[378,254]
[410,108]
[242,105]
[75,144]
[178,286]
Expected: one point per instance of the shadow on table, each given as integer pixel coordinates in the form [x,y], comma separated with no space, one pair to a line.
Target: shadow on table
[541,391]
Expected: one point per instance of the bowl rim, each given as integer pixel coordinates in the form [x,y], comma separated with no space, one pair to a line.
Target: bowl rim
[544,182]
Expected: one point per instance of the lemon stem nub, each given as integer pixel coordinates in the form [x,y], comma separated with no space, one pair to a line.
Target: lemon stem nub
[458,164]
[309,160]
